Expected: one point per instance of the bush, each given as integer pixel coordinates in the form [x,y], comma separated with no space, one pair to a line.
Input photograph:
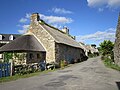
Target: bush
[63,63]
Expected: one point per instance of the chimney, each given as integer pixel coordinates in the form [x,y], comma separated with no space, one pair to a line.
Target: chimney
[74,37]
[65,30]
[35,17]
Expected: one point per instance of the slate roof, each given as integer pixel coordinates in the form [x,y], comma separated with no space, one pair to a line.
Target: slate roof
[5,37]
[60,37]
[23,43]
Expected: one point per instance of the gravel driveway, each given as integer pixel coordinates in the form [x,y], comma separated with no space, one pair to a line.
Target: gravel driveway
[88,75]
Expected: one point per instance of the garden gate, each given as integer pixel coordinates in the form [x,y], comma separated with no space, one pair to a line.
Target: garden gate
[5,69]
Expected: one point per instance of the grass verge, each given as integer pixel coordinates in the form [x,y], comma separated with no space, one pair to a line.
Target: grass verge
[15,77]
[108,63]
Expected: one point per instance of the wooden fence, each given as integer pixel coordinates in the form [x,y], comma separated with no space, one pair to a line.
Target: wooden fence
[5,69]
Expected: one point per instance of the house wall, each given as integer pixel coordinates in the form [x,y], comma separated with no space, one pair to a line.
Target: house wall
[35,57]
[28,58]
[43,37]
[65,52]
[19,58]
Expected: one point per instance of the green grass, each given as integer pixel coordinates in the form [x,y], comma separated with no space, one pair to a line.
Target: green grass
[15,77]
[108,63]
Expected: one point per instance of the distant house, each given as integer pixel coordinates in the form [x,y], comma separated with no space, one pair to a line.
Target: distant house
[89,49]
[83,46]
[92,49]
[6,38]
[57,44]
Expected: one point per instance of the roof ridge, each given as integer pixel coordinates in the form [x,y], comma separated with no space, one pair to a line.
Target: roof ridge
[43,22]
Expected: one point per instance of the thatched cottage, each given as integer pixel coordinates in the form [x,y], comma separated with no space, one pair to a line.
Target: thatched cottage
[57,44]
[25,49]
[117,44]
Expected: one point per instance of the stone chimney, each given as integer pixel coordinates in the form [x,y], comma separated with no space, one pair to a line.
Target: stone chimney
[35,17]
[65,30]
[74,37]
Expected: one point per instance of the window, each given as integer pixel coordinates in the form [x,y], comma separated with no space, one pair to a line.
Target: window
[31,56]
[38,56]
[11,37]
[0,37]
[1,56]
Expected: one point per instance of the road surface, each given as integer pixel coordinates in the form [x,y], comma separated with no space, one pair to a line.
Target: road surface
[88,75]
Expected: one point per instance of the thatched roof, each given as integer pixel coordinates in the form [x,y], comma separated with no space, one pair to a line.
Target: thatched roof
[23,43]
[60,37]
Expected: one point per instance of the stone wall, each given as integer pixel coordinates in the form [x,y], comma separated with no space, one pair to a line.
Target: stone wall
[28,57]
[35,57]
[19,58]
[117,44]
[43,37]
[65,52]
[117,51]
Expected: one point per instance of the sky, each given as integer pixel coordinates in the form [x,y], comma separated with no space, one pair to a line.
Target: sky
[91,21]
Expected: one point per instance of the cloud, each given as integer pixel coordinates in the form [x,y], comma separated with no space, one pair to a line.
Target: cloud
[57,26]
[98,36]
[96,3]
[55,19]
[28,15]
[112,4]
[100,9]
[23,20]
[60,11]
[24,29]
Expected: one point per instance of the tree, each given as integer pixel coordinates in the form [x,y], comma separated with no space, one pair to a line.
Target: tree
[106,47]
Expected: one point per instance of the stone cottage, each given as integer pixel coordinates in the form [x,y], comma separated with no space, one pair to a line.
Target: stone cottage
[117,44]
[58,44]
[89,49]
[26,49]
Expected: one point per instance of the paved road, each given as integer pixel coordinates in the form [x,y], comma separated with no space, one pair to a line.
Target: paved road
[88,75]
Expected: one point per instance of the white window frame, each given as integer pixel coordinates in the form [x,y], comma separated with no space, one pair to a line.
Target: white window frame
[0,37]
[11,37]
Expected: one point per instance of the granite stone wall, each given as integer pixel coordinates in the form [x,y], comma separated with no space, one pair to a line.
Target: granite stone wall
[68,53]
[117,45]
[35,57]
[43,37]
